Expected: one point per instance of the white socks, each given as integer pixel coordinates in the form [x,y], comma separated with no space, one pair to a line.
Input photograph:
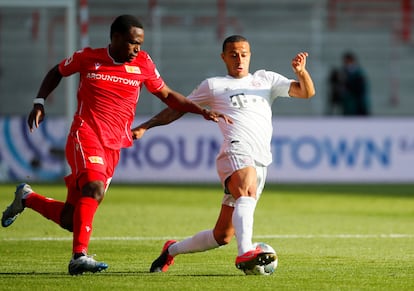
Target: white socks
[200,242]
[243,223]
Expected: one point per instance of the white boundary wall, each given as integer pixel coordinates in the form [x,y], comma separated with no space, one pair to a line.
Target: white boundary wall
[304,150]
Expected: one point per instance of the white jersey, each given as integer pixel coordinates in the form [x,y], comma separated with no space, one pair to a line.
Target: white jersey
[247,101]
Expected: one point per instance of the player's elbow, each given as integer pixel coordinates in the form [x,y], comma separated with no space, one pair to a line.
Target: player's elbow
[307,92]
[305,95]
[310,93]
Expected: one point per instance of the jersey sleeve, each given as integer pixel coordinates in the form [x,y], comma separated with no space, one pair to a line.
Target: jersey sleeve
[280,84]
[153,81]
[72,64]
[201,93]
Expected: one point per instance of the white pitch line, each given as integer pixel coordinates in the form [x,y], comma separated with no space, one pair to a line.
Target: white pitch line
[276,236]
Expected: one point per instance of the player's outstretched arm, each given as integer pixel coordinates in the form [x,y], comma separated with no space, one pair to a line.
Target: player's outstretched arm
[49,83]
[164,117]
[304,87]
[180,103]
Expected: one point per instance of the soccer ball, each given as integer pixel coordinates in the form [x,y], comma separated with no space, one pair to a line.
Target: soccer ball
[265,266]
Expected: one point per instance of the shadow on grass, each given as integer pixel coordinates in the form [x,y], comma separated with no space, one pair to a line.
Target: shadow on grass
[106,274]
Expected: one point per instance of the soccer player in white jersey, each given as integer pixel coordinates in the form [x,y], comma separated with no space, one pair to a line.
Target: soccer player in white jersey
[245,153]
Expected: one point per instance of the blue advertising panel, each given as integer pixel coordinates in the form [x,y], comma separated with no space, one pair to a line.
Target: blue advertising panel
[304,150]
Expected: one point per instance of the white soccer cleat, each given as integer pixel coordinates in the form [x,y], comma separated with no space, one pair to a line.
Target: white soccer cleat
[16,207]
[85,264]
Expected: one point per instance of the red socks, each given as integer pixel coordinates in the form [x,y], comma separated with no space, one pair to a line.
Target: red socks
[82,218]
[48,207]
[82,223]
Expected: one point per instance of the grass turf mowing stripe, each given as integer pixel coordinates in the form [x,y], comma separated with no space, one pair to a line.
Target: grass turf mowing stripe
[284,236]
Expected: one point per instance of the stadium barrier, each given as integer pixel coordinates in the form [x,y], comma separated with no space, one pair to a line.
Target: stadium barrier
[304,150]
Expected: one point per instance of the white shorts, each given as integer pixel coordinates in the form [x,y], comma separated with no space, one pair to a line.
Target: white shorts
[235,158]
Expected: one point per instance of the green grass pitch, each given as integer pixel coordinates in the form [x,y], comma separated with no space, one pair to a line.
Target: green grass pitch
[328,237]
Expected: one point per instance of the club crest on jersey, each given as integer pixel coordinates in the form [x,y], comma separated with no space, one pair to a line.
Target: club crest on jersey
[256,84]
[96,160]
[132,69]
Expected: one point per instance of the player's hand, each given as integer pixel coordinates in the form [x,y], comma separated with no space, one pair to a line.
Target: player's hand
[299,62]
[36,116]
[138,132]
[215,116]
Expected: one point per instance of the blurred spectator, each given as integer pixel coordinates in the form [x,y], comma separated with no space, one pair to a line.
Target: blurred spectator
[348,89]
[354,87]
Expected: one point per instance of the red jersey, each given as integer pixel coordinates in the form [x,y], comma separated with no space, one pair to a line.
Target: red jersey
[108,91]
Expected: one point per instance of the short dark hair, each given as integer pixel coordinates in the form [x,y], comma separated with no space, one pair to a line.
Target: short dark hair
[233,38]
[123,23]
[349,56]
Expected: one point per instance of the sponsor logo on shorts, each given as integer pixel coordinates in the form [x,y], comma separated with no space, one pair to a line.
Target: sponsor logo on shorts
[96,160]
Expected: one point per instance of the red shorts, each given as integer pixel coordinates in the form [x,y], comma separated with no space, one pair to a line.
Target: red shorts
[88,159]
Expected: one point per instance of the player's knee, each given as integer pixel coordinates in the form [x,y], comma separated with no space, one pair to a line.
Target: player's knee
[95,189]
[66,217]
[67,225]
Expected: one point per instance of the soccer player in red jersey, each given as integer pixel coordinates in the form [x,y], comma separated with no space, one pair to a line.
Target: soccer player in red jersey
[110,82]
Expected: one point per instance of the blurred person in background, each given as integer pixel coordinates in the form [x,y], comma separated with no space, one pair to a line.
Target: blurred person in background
[245,152]
[111,79]
[353,87]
